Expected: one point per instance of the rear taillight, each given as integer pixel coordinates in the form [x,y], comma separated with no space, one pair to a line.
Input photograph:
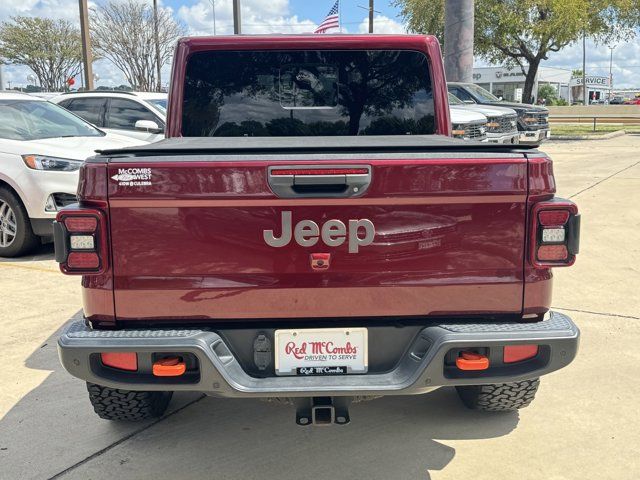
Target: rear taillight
[80,237]
[555,233]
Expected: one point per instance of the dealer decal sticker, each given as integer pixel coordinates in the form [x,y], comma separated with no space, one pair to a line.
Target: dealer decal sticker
[133,177]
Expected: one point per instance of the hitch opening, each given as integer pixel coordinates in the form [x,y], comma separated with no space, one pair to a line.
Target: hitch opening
[322,411]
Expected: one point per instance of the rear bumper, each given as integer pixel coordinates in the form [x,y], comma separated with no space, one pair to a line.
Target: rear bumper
[423,366]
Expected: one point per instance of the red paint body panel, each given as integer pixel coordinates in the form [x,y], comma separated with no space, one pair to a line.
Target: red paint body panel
[426,44]
[449,240]
[452,233]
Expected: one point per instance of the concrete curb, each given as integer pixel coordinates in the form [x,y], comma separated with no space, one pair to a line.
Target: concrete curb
[606,136]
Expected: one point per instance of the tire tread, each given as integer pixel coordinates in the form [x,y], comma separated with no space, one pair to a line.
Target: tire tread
[116,404]
[503,397]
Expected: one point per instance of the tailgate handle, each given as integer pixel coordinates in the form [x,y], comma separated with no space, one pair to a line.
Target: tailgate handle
[319,181]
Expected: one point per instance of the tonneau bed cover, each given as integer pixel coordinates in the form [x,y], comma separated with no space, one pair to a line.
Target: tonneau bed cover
[328,144]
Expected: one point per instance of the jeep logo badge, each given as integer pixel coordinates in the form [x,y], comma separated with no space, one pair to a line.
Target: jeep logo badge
[334,233]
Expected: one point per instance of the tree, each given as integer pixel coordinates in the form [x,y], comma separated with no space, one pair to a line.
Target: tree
[548,93]
[123,32]
[524,32]
[51,48]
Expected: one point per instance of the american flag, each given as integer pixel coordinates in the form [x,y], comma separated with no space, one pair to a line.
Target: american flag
[332,20]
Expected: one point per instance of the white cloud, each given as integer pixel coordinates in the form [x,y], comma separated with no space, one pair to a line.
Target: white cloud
[257,16]
[382,24]
[276,16]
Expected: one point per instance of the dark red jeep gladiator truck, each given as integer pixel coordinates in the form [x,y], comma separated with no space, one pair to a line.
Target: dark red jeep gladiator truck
[310,231]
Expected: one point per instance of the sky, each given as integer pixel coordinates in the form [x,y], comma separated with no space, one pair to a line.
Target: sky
[302,16]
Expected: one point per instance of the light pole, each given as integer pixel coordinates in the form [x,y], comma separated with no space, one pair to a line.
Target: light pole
[157,41]
[584,69]
[611,74]
[86,45]
[237,21]
[371,11]
[213,6]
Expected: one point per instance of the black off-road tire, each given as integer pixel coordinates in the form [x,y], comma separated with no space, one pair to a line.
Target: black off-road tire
[116,404]
[25,240]
[501,397]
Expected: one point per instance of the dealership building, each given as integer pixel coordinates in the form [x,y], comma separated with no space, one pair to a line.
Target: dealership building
[508,83]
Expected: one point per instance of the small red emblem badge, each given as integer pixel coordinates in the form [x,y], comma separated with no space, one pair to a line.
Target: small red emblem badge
[320,261]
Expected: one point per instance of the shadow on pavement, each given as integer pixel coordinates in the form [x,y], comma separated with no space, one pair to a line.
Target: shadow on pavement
[42,252]
[54,428]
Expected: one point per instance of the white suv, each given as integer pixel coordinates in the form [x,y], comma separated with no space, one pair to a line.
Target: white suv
[139,115]
[42,147]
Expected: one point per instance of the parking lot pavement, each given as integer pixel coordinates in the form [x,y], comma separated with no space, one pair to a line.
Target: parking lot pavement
[583,423]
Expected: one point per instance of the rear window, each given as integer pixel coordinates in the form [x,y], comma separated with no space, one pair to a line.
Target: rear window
[307,93]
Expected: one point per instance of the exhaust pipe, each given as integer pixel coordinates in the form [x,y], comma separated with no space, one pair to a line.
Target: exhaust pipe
[322,411]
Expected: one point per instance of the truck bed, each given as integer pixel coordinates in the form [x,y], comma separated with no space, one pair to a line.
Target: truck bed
[191,242]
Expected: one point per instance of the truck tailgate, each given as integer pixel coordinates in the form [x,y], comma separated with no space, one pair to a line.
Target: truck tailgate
[188,236]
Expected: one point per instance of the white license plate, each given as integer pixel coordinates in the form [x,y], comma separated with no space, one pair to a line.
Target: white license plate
[321,351]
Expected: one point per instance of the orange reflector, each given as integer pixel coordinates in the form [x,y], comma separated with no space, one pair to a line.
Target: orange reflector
[472,361]
[169,367]
[82,261]
[120,360]
[552,252]
[81,224]
[517,353]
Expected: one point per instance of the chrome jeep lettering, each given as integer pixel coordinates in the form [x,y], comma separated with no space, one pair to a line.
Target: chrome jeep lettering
[333,233]
[306,233]
[285,237]
[354,240]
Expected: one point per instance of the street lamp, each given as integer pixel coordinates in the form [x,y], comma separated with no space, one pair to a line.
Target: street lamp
[157,42]
[611,74]
[213,7]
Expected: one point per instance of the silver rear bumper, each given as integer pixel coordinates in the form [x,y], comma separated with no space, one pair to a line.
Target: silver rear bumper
[420,369]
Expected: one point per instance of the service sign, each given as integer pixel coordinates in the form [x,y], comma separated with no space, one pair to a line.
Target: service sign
[321,351]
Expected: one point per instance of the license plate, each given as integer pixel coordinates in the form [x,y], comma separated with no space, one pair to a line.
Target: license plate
[321,351]
[547,134]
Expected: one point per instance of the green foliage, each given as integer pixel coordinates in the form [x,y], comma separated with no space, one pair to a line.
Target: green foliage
[548,93]
[51,48]
[523,32]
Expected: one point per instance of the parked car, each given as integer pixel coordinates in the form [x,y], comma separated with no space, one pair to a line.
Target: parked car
[616,100]
[502,122]
[633,101]
[139,115]
[314,263]
[533,120]
[468,125]
[42,146]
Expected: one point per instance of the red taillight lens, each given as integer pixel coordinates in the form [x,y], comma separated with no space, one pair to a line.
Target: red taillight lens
[553,253]
[553,217]
[518,353]
[81,224]
[319,171]
[120,360]
[555,233]
[81,241]
[83,261]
